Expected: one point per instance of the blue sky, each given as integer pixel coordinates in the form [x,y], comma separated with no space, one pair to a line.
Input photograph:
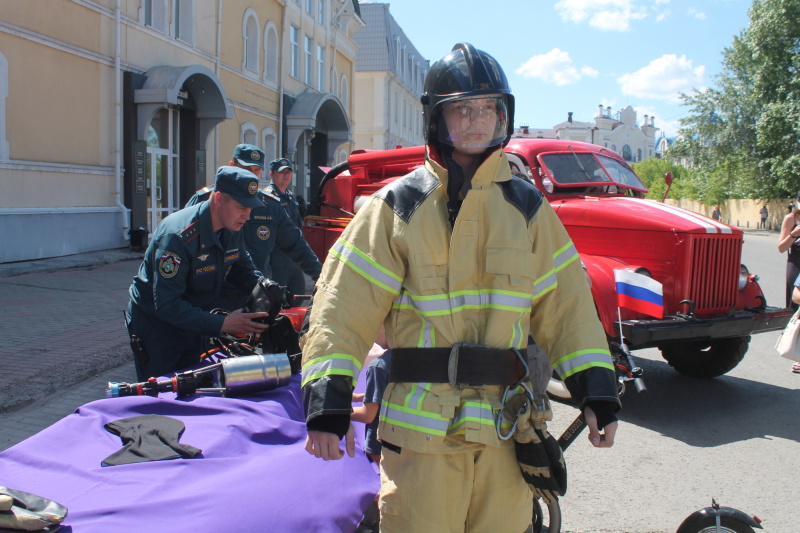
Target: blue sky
[573,55]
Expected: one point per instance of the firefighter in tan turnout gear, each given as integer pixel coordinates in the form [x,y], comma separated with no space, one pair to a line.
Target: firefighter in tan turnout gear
[460,262]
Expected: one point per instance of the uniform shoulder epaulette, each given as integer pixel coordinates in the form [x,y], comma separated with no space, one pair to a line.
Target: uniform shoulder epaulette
[191,231]
[270,194]
[205,190]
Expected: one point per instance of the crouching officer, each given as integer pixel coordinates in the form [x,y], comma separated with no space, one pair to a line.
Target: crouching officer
[193,251]
[268,233]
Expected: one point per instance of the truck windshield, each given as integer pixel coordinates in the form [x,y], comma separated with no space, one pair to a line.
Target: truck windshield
[568,169]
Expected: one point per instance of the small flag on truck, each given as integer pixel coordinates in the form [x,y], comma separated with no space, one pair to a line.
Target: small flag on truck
[639,293]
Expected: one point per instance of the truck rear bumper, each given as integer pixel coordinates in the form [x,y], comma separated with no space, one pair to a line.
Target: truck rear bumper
[680,329]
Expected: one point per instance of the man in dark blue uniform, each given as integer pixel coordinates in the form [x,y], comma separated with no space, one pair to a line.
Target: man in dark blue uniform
[180,280]
[285,268]
[268,232]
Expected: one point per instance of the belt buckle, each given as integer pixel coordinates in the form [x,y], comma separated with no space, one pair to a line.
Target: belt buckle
[452,366]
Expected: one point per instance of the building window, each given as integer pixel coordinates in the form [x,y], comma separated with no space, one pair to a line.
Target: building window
[155,14]
[626,153]
[310,7]
[320,68]
[271,53]
[321,11]
[250,33]
[396,113]
[270,144]
[3,95]
[294,53]
[249,134]
[344,92]
[308,47]
[184,20]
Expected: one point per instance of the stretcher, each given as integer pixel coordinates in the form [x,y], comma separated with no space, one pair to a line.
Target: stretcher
[253,474]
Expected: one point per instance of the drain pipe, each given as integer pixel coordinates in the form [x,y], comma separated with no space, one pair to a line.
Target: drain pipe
[124,212]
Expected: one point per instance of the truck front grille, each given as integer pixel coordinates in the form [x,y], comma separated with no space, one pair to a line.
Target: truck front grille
[713,283]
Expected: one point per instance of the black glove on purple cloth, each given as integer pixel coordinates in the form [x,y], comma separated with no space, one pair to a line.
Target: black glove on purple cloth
[148,438]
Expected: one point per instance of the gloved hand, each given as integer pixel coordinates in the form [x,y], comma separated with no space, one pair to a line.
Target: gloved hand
[22,511]
[540,457]
[542,464]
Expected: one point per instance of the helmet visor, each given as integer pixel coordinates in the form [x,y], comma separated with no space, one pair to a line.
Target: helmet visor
[473,124]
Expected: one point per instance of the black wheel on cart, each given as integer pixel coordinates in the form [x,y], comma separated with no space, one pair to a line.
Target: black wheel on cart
[546,519]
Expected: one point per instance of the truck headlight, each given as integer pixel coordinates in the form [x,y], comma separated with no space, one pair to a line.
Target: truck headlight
[744,277]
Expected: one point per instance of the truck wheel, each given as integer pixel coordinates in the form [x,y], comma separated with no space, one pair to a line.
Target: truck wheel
[707,359]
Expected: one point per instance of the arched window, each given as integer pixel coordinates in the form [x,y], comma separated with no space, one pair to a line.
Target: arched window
[3,96]
[249,134]
[626,152]
[344,93]
[639,154]
[270,144]
[271,53]
[342,156]
[250,34]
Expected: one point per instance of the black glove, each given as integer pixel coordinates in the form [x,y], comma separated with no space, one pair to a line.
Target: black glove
[542,464]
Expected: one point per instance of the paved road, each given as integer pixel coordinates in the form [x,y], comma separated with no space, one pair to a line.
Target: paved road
[735,438]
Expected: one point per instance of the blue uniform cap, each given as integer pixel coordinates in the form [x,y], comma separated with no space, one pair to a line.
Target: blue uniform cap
[280,164]
[240,183]
[248,155]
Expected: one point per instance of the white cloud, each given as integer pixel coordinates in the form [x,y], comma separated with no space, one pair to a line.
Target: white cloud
[554,67]
[606,15]
[664,15]
[663,79]
[697,14]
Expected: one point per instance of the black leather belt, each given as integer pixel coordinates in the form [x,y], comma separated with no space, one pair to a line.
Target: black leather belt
[462,366]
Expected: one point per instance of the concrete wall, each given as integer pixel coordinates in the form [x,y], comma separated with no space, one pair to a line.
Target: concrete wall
[741,213]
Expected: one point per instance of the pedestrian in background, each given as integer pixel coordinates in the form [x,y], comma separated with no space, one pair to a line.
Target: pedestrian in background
[716,214]
[764,214]
[286,270]
[788,242]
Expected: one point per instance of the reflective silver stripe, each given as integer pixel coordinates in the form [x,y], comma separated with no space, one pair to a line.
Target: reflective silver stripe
[581,360]
[445,304]
[563,257]
[367,267]
[472,412]
[413,399]
[566,255]
[338,364]
[398,415]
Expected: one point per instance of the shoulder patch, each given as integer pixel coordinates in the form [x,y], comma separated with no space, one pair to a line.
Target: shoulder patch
[169,264]
[404,195]
[522,195]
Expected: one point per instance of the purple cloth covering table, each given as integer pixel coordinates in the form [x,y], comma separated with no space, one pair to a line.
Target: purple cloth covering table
[253,475]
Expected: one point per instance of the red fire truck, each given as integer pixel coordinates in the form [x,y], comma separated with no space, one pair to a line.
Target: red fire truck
[712,303]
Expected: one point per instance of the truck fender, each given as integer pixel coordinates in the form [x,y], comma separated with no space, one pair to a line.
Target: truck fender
[604,289]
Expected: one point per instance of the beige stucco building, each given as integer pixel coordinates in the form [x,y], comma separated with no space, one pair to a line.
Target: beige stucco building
[389,78]
[113,112]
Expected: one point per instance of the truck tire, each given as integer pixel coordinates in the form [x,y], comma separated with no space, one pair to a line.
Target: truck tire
[706,359]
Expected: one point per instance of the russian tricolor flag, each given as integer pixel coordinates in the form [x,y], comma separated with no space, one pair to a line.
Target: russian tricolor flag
[639,293]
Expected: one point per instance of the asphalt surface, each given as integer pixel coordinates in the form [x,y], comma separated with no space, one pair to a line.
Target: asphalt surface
[63,336]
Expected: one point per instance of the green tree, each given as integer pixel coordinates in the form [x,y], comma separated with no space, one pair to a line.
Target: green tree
[651,172]
[743,136]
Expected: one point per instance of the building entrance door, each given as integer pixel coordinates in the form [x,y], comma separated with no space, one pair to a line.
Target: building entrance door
[163,185]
